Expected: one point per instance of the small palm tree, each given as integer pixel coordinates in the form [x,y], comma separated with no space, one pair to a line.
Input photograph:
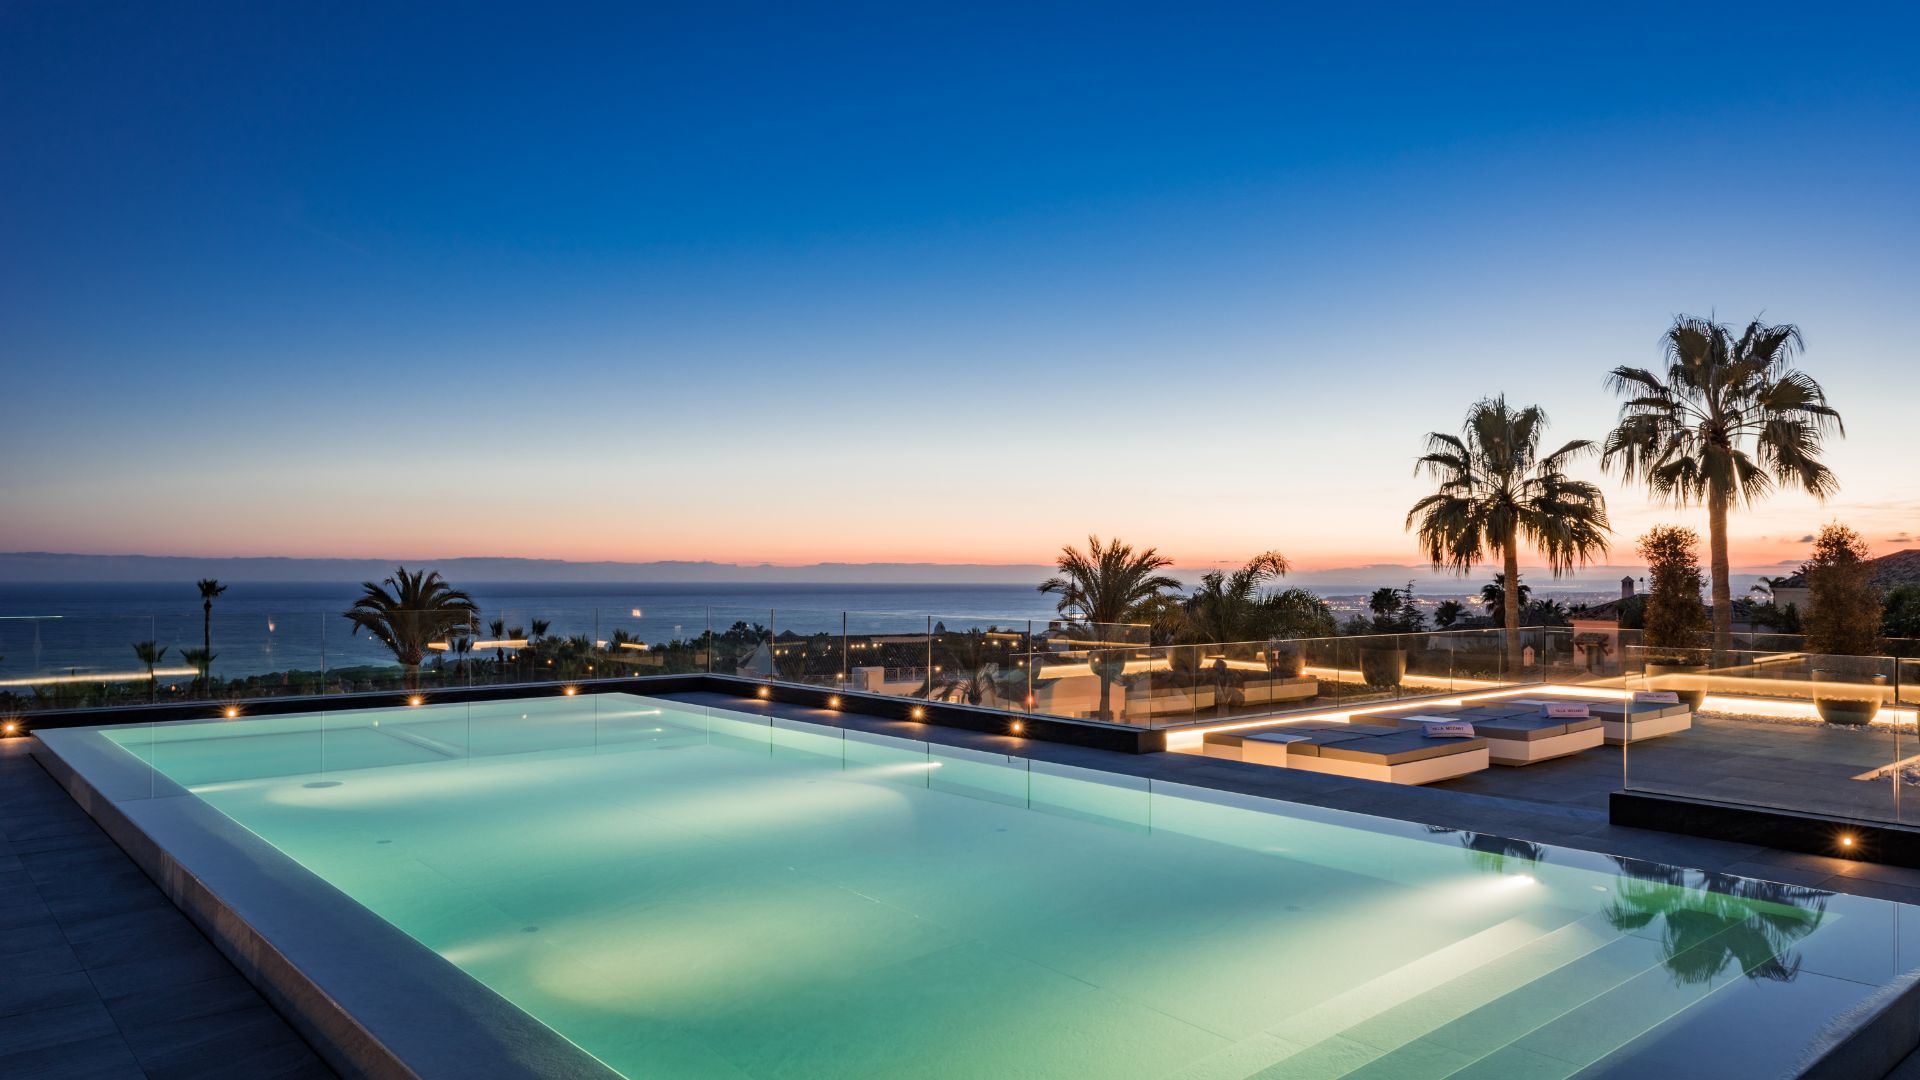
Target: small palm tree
[150,653]
[1496,490]
[209,588]
[201,660]
[1231,607]
[1448,612]
[410,611]
[1493,596]
[1107,585]
[1730,418]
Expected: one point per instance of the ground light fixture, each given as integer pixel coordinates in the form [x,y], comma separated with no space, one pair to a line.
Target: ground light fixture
[571,690]
[416,701]
[919,712]
[9,728]
[833,702]
[1017,727]
[1847,842]
[231,712]
[760,692]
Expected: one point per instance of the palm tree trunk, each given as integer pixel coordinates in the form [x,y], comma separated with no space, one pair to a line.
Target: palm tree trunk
[206,626]
[1106,696]
[1510,605]
[1722,572]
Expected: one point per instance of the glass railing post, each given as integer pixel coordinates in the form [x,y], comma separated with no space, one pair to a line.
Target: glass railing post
[1026,702]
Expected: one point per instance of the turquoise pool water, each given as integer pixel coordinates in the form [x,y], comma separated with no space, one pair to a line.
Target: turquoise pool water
[703,893]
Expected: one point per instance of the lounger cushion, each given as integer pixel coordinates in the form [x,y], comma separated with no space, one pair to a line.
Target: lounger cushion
[1530,728]
[1398,748]
[1307,741]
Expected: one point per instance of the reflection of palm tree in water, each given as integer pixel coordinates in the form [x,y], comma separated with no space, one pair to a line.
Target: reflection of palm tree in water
[1497,854]
[1710,919]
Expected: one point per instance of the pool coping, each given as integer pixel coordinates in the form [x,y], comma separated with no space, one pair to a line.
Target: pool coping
[390,1008]
[413,1013]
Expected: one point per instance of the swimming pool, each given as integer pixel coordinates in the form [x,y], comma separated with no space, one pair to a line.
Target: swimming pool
[687,891]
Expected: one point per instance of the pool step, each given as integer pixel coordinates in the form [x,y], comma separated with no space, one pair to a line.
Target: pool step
[1399,1005]
[1391,1040]
[1557,1024]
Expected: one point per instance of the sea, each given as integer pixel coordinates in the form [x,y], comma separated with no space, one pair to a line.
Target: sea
[262,627]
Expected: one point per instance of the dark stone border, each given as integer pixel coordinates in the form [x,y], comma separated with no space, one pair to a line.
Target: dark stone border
[1783,830]
[1124,738]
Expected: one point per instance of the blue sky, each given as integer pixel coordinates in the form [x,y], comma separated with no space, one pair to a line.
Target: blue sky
[863,283]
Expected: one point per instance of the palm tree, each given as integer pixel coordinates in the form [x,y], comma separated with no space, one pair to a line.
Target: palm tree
[497,629]
[1230,607]
[1497,489]
[1108,585]
[202,662]
[1731,418]
[209,588]
[150,653]
[409,612]
[1448,612]
[1493,595]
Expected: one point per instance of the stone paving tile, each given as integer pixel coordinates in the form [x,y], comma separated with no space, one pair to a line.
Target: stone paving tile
[100,975]
[103,1058]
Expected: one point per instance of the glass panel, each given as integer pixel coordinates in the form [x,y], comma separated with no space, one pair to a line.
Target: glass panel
[1793,730]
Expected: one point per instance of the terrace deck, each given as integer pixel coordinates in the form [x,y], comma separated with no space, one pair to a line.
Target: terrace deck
[100,975]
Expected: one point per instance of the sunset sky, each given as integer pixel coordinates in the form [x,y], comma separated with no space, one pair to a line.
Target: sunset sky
[746,285]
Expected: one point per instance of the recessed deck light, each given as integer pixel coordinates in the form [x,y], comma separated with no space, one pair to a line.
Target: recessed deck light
[416,701]
[761,692]
[833,702]
[1017,727]
[232,712]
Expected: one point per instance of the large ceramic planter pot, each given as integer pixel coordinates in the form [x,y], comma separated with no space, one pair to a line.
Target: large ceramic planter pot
[1383,667]
[1845,698]
[1673,675]
[1286,663]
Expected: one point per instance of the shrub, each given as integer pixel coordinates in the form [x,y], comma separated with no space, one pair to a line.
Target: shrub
[1843,617]
[1675,622]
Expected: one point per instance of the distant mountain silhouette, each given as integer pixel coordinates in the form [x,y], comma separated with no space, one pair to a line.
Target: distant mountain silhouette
[42,567]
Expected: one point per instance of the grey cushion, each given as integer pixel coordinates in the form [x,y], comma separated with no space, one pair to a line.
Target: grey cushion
[1307,741]
[1398,749]
[1529,728]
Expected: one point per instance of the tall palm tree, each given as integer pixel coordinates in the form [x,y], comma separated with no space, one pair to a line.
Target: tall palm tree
[408,612]
[1231,607]
[1496,491]
[1104,586]
[150,653]
[1731,418]
[209,588]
